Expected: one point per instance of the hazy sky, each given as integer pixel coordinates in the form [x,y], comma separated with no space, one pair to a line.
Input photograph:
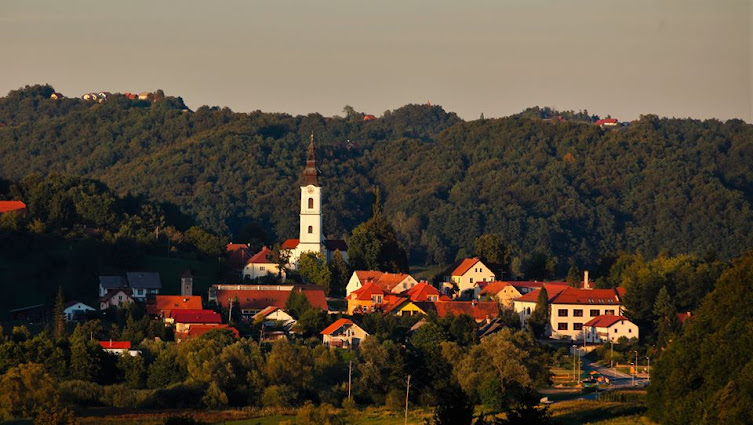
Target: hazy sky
[625,58]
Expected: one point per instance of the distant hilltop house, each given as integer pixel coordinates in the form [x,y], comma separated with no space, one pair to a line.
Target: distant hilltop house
[608,122]
[134,286]
[12,206]
[118,348]
[57,96]
[369,117]
[99,97]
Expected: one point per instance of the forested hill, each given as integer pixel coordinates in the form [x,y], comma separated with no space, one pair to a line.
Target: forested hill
[567,189]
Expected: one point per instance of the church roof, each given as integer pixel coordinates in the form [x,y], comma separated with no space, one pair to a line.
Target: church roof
[311,173]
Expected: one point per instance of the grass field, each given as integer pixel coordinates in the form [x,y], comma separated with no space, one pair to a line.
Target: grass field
[600,412]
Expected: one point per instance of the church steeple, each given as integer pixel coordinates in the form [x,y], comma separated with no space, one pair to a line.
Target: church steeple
[311,173]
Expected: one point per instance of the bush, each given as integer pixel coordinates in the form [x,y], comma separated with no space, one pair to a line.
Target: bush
[122,396]
[277,396]
[181,420]
[80,393]
[322,415]
[395,399]
[178,396]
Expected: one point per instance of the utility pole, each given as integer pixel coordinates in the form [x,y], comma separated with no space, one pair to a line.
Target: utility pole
[649,367]
[350,373]
[407,392]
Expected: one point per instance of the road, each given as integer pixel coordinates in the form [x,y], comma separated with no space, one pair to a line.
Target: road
[619,380]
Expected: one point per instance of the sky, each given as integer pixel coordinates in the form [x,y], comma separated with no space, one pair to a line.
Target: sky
[621,58]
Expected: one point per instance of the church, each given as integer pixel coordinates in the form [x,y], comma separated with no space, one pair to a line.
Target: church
[311,235]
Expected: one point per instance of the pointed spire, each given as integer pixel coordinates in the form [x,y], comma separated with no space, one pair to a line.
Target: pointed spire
[311,173]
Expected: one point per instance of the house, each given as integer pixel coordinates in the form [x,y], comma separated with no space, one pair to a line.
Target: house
[109,283]
[115,298]
[163,305]
[423,291]
[343,333]
[12,206]
[467,274]
[131,96]
[184,319]
[310,232]
[143,284]
[197,330]
[570,308]
[276,324]
[389,282]
[608,122]
[369,117]
[609,328]
[274,314]
[252,299]
[261,265]
[145,95]
[76,310]
[238,255]
[505,292]
[118,348]
[480,311]
[406,307]
[683,317]
[366,299]
[56,96]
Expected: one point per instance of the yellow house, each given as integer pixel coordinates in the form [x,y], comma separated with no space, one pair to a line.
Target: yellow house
[367,299]
[405,307]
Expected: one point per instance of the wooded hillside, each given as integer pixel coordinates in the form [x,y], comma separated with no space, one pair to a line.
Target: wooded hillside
[566,189]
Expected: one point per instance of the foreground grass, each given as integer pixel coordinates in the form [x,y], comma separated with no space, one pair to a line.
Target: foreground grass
[600,412]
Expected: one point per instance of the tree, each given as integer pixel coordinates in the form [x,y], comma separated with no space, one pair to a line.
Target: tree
[340,274]
[25,388]
[492,250]
[539,319]
[374,245]
[313,269]
[573,276]
[85,357]
[666,321]
[58,315]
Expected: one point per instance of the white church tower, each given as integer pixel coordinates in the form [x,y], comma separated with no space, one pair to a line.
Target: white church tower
[310,236]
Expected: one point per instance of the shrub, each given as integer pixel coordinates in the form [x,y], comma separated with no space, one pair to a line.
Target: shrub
[80,393]
[277,396]
[122,396]
[395,399]
[179,396]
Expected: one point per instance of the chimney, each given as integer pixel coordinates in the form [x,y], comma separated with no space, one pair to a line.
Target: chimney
[586,283]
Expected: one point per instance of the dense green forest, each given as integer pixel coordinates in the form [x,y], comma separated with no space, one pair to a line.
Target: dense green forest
[569,190]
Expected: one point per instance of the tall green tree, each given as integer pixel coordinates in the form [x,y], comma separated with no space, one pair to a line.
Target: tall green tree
[492,250]
[58,315]
[374,244]
[667,324]
[340,272]
[313,269]
[539,319]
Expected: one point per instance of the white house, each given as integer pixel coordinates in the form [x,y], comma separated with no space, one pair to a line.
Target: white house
[570,308]
[389,282]
[467,274]
[119,348]
[311,233]
[275,314]
[75,310]
[343,333]
[262,264]
[144,284]
[610,328]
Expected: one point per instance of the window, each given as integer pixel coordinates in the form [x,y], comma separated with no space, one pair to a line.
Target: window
[577,326]
[432,298]
[594,313]
[578,313]
[311,203]
[562,312]
[311,229]
[471,280]
[609,312]
[377,299]
[262,268]
[561,326]
[528,310]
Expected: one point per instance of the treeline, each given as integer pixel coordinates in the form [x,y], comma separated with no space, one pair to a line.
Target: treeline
[450,369]
[569,191]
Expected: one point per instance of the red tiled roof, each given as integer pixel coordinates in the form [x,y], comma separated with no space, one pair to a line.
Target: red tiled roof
[115,345]
[235,246]
[572,295]
[464,266]
[605,321]
[421,292]
[683,317]
[196,331]
[238,255]
[195,316]
[369,117]
[265,256]
[552,290]
[479,310]
[9,206]
[366,291]
[253,299]
[163,304]
[337,325]
[606,121]
[364,275]
[386,281]
[290,244]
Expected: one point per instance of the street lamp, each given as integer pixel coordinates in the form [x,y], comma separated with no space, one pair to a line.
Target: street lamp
[635,372]
[611,358]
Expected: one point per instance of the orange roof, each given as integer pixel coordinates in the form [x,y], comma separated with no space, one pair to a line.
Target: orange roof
[195,316]
[290,244]
[257,299]
[366,291]
[196,331]
[605,321]
[163,304]
[479,310]
[464,266]
[339,323]
[364,275]
[552,290]
[386,281]
[115,345]
[235,246]
[9,206]
[572,295]
[421,292]
[238,255]
[265,256]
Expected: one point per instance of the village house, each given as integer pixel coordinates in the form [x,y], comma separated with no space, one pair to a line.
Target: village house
[609,328]
[140,285]
[506,292]
[238,255]
[252,299]
[389,282]
[570,308]
[76,310]
[115,298]
[480,311]
[118,348]
[262,264]
[162,305]
[608,122]
[184,319]
[469,275]
[343,334]
[56,96]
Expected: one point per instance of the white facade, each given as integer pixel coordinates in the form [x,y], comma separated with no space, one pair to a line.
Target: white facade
[78,309]
[257,270]
[568,320]
[406,283]
[469,280]
[624,327]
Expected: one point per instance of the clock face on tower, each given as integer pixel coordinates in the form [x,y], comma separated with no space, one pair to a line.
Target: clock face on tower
[310,189]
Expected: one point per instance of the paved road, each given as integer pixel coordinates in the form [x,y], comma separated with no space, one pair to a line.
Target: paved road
[619,380]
